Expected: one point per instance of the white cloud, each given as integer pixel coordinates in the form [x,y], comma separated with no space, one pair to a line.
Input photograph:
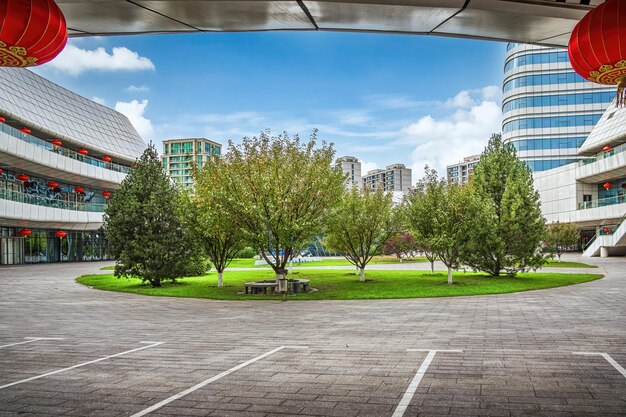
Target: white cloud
[442,141]
[394,101]
[135,111]
[462,100]
[368,166]
[140,89]
[99,100]
[74,60]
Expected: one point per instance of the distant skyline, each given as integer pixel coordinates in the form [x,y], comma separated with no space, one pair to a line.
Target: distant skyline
[382,98]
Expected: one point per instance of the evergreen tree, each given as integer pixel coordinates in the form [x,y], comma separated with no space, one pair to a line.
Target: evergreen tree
[510,241]
[143,229]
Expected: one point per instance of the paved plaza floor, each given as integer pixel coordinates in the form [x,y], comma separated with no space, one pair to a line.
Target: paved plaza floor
[70,350]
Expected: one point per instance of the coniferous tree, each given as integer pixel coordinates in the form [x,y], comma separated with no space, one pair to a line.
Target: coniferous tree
[510,241]
[143,229]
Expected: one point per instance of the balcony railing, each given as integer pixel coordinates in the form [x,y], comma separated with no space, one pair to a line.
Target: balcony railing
[25,137]
[39,200]
[603,202]
[603,155]
[610,229]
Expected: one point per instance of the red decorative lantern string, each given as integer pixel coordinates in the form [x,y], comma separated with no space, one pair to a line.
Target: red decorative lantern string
[607,185]
[1,171]
[106,159]
[607,230]
[79,189]
[83,151]
[25,130]
[597,50]
[52,184]
[60,234]
[56,142]
[3,120]
[22,177]
[607,148]
[25,232]
[31,32]
[106,194]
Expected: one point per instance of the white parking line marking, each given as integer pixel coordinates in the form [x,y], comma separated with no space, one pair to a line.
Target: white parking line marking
[213,379]
[31,340]
[410,391]
[153,344]
[608,358]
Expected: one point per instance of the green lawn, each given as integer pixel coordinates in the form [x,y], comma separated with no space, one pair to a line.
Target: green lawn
[344,285]
[377,260]
[555,263]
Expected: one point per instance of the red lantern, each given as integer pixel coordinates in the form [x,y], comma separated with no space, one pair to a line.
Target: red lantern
[56,142]
[60,234]
[607,230]
[32,32]
[25,232]
[3,120]
[52,184]
[596,48]
[106,194]
[106,159]
[1,171]
[79,189]
[22,177]
[25,130]
[83,151]
[607,185]
[607,148]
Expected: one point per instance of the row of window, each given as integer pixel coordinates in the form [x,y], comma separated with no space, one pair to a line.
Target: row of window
[544,165]
[552,122]
[534,58]
[187,148]
[548,143]
[543,79]
[559,100]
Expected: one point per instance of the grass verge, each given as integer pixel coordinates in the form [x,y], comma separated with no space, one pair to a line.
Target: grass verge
[344,285]
[555,263]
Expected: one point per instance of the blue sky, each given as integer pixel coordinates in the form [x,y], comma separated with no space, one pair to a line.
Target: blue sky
[381,98]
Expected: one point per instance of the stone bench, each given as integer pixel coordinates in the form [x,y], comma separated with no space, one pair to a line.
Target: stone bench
[258,286]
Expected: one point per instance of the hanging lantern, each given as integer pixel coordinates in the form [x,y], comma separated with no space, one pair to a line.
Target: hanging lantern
[79,189]
[60,234]
[3,120]
[25,130]
[1,171]
[32,32]
[596,48]
[83,151]
[52,184]
[106,194]
[25,232]
[607,148]
[106,159]
[607,230]
[22,177]
[56,142]
[607,185]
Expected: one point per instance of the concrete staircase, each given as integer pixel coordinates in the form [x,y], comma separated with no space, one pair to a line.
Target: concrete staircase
[613,244]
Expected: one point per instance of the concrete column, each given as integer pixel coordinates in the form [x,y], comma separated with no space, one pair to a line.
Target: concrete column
[604,252]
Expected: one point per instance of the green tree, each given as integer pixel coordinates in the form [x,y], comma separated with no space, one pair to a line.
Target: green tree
[510,240]
[215,229]
[561,235]
[360,224]
[280,191]
[402,246]
[143,229]
[441,214]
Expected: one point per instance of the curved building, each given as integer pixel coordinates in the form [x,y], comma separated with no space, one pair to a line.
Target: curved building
[61,157]
[548,110]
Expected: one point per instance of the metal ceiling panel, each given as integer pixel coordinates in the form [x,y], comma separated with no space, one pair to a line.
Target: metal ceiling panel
[233,15]
[383,16]
[115,17]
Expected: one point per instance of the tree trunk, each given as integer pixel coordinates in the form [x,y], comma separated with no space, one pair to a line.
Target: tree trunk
[220,281]
[356,272]
[401,259]
[432,267]
[449,276]
[281,281]
[362,274]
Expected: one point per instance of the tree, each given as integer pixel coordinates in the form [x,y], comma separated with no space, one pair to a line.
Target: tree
[510,240]
[401,245]
[360,224]
[428,253]
[215,230]
[561,235]
[441,214]
[143,230]
[279,191]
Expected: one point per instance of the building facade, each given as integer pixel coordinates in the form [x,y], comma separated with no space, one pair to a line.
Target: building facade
[463,171]
[61,158]
[396,177]
[548,109]
[179,156]
[351,168]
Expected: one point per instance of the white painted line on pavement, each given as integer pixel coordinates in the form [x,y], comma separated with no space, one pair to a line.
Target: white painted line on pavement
[152,344]
[410,391]
[31,340]
[608,358]
[210,380]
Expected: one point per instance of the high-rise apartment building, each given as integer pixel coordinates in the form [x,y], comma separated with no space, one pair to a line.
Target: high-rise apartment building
[396,177]
[351,168]
[548,109]
[462,171]
[179,155]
